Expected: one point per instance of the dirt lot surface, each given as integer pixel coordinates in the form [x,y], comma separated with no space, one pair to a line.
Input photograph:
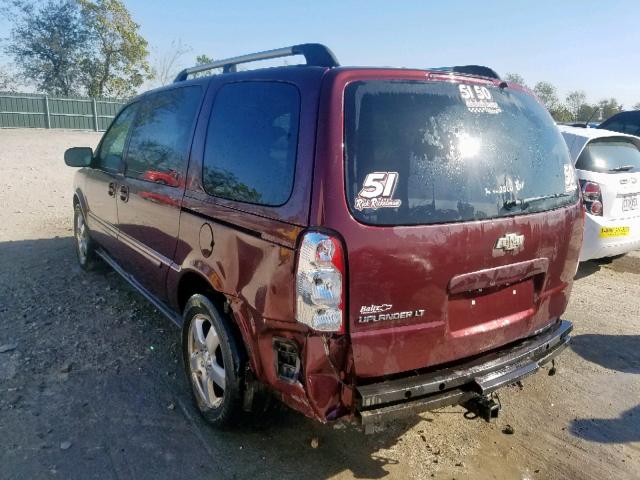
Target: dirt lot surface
[91,385]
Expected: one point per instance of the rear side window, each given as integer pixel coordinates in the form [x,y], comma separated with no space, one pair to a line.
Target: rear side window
[610,156]
[161,136]
[438,152]
[251,144]
[623,123]
[112,146]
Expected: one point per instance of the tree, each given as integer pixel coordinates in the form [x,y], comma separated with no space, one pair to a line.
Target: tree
[118,62]
[7,81]
[587,112]
[166,66]
[48,45]
[203,59]
[574,101]
[77,46]
[561,113]
[547,94]
[609,107]
[515,78]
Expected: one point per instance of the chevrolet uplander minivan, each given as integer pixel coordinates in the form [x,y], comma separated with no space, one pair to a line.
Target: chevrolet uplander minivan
[362,243]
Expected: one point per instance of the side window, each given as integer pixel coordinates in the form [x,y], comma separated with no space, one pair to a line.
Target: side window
[634,127]
[250,150]
[161,136]
[625,122]
[110,155]
[616,126]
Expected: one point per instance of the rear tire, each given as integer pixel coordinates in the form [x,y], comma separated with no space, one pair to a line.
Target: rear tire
[213,362]
[85,249]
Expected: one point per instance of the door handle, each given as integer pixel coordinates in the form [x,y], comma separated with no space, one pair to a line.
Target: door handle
[112,189]
[124,193]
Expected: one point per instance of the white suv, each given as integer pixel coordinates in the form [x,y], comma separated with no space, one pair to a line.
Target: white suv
[608,166]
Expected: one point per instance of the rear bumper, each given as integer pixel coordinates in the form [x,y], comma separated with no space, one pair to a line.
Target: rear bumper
[595,246]
[378,403]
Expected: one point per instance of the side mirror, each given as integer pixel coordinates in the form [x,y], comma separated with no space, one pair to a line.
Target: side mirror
[78,156]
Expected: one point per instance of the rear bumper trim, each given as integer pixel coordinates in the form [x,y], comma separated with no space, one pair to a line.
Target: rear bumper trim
[459,383]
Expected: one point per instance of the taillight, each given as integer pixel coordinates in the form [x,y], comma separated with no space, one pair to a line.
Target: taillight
[592,197]
[320,283]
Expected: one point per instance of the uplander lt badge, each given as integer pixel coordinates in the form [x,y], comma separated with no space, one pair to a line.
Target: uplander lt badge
[379,313]
[510,242]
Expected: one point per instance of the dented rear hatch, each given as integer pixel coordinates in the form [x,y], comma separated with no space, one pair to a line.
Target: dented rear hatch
[458,207]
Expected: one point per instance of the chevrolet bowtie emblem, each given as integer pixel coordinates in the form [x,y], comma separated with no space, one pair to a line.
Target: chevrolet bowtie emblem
[510,242]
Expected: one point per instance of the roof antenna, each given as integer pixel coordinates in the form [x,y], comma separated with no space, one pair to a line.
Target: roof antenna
[595,110]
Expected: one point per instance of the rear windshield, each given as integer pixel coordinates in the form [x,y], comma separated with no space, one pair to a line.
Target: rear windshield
[610,156]
[436,152]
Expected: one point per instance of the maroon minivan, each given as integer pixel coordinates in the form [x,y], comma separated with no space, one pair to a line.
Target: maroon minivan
[363,243]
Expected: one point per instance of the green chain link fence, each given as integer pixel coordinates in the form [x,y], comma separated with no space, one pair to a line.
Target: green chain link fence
[26,110]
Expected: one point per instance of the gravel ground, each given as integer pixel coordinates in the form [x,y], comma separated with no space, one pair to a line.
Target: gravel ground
[91,386]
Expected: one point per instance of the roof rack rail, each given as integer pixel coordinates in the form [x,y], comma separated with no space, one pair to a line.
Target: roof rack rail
[316,55]
[479,70]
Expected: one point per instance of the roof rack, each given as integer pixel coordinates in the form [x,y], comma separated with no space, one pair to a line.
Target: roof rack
[316,55]
[479,70]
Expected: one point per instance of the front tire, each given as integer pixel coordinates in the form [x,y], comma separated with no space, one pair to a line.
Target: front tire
[85,249]
[212,361]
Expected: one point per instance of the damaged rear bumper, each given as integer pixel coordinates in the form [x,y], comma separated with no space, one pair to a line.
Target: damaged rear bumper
[379,403]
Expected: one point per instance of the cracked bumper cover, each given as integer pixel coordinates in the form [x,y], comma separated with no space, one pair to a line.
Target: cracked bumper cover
[381,402]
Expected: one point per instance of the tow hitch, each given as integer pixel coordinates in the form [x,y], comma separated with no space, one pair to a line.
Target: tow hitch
[472,384]
[483,406]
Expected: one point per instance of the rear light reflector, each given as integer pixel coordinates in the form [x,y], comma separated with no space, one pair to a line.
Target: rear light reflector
[592,197]
[320,281]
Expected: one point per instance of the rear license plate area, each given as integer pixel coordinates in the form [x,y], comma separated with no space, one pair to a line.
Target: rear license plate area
[485,305]
[629,203]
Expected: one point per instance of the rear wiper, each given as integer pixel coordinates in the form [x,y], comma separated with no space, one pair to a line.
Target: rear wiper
[524,202]
[623,168]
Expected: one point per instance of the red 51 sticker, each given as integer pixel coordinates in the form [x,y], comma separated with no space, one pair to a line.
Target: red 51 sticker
[377,191]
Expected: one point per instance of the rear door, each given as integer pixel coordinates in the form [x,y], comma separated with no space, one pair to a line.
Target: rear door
[150,194]
[461,222]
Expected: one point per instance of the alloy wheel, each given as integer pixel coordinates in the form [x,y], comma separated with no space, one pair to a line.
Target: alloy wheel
[82,237]
[205,361]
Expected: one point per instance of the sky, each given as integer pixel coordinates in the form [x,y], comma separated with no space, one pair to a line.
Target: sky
[587,45]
